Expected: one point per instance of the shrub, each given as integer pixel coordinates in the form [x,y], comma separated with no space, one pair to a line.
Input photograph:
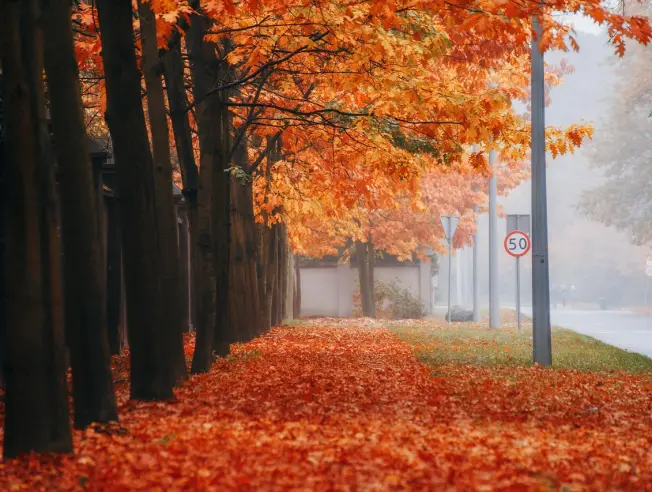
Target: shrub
[392,301]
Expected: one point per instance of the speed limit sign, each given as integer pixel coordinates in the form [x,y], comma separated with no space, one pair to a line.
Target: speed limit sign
[517,244]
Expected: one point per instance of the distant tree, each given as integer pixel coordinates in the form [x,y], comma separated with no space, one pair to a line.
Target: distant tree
[622,148]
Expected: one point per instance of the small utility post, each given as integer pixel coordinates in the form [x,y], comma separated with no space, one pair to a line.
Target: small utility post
[449,224]
[494,306]
[542,346]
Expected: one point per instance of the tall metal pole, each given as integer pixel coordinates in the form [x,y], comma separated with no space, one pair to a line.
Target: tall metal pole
[450,268]
[542,346]
[518,286]
[518,293]
[476,297]
[494,314]
[458,278]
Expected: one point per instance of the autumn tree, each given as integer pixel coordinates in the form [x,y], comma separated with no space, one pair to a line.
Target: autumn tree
[167,220]
[151,373]
[84,293]
[36,400]
[621,152]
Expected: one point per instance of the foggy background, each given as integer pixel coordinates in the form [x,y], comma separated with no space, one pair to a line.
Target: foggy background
[599,261]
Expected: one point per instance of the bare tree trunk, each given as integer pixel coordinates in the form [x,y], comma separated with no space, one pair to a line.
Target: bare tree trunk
[371,259]
[204,65]
[152,376]
[283,265]
[169,258]
[221,215]
[36,417]
[297,290]
[368,308]
[113,276]
[94,400]
[244,278]
[173,67]
[289,286]
[3,230]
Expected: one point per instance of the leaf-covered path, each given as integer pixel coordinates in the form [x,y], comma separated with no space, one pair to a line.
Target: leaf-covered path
[350,408]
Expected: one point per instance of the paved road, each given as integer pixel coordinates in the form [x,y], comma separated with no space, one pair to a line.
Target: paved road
[631,331]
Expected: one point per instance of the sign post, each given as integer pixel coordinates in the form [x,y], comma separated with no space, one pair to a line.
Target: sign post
[517,244]
[648,272]
[449,224]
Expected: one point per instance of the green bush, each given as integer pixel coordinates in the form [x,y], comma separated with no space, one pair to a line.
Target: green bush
[392,301]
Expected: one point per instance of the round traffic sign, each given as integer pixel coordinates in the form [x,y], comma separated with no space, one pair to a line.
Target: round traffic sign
[517,243]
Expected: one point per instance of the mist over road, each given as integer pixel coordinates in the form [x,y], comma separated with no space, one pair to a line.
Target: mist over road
[627,330]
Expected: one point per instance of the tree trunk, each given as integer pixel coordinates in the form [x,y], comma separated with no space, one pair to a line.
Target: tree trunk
[173,68]
[245,302]
[297,290]
[371,259]
[204,66]
[113,276]
[85,308]
[152,376]
[167,219]
[283,265]
[366,289]
[289,283]
[221,204]
[36,403]
[3,230]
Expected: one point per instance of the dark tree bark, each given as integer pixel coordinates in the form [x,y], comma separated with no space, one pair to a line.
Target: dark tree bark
[283,265]
[113,276]
[152,374]
[371,259]
[224,333]
[205,70]
[85,308]
[297,290]
[245,302]
[173,68]
[167,220]
[276,294]
[366,283]
[37,416]
[3,226]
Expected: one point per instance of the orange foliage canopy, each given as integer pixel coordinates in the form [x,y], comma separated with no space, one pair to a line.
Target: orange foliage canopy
[332,407]
[377,104]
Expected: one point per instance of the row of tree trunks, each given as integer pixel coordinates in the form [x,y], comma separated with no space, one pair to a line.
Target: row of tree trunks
[212,234]
[36,402]
[167,220]
[173,68]
[3,207]
[152,374]
[365,253]
[85,283]
[113,277]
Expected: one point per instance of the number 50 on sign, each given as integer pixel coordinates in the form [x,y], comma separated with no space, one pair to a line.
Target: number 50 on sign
[517,244]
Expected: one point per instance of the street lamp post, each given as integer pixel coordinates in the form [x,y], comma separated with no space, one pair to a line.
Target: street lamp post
[494,303]
[542,346]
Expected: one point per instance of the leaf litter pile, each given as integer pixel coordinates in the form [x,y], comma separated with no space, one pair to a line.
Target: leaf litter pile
[349,407]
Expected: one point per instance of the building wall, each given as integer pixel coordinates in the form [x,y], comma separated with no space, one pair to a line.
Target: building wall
[328,291]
